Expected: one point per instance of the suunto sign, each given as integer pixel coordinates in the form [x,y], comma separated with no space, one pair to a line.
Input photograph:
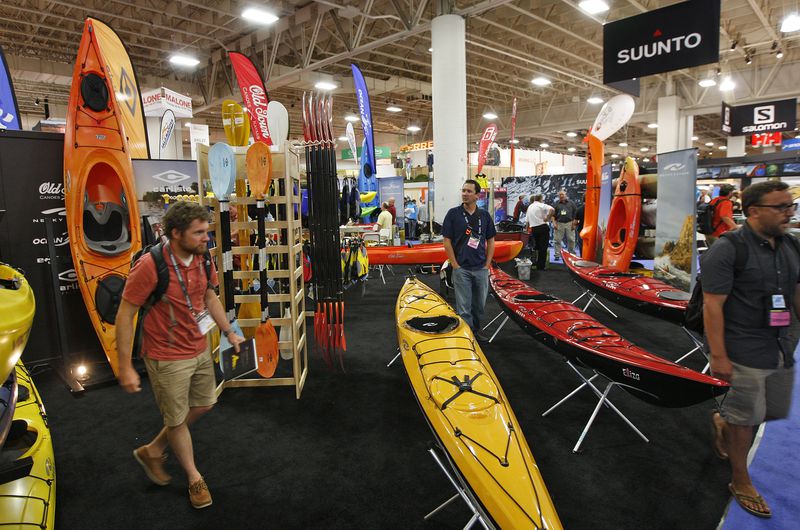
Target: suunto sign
[767,117]
[671,38]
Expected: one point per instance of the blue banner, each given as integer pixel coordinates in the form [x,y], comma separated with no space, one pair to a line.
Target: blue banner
[9,112]
[366,183]
[362,96]
[392,188]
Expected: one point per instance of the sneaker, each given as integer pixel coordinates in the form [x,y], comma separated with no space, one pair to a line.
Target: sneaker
[199,495]
[153,466]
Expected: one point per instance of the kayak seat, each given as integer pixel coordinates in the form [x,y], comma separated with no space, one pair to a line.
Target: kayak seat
[541,297]
[586,263]
[618,275]
[105,227]
[675,296]
[436,325]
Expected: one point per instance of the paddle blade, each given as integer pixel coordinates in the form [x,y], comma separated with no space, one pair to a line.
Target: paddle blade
[222,169]
[228,111]
[266,349]
[285,335]
[278,119]
[259,168]
[249,310]
[613,116]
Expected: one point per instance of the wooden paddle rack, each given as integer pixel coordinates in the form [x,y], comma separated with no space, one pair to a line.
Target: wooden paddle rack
[288,265]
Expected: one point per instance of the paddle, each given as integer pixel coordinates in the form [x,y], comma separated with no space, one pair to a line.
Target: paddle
[340,340]
[613,116]
[222,169]
[259,172]
[235,123]
[278,119]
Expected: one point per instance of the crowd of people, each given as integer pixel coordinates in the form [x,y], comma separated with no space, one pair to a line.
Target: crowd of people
[546,223]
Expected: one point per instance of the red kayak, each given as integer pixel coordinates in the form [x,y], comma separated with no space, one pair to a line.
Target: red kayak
[433,254]
[629,289]
[580,338]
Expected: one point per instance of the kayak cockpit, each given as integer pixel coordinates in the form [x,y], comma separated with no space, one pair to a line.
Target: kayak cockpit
[106,216]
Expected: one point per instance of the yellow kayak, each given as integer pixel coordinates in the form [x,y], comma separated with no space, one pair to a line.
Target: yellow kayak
[17,308]
[468,411]
[29,501]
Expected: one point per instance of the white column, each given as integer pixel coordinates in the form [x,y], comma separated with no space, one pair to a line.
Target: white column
[674,131]
[449,66]
[735,146]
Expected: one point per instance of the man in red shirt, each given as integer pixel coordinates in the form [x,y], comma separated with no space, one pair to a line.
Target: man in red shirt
[174,347]
[392,210]
[722,220]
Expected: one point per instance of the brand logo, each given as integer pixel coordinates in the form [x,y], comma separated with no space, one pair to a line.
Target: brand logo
[765,127]
[68,276]
[171,177]
[632,375]
[166,133]
[55,211]
[362,109]
[259,101]
[676,166]
[59,241]
[489,134]
[765,114]
[646,51]
[51,190]
[127,87]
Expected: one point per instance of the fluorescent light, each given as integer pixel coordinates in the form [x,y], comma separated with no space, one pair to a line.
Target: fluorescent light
[615,155]
[723,148]
[572,134]
[644,149]
[571,149]
[352,118]
[593,7]
[652,126]
[183,60]
[695,138]
[430,50]
[645,159]
[540,81]
[413,128]
[394,109]
[326,85]
[623,144]
[790,23]
[706,83]
[709,144]
[544,145]
[514,141]
[594,100]
[490,115]
[727,84]
[342,138]
[259,16]
[779,54]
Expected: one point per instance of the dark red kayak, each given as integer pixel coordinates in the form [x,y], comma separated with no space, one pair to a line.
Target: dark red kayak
[629,289]
[579,337]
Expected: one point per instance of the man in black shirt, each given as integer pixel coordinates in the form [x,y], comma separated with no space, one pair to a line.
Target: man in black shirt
[563,224]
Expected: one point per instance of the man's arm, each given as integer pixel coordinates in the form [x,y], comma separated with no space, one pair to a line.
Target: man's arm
[217,312]
[127,376]
[714,324]
[489,251]
[451,255]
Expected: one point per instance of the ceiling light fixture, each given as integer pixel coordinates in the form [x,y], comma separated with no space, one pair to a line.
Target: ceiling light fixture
[652,126]
[259,16]
[748,58]
[544,145]
[695,138]
[644,149]
[514,141]
[572,134]
[593,7]
[594,100]
[615,155]
[723,148]
[490,115]
[413,128]
[352,118]
[779,54]
[733,44]
[727,84]
[623,144]
[571,149]
[430,50]
[326,85]
[342,138]
[791,22]
[540,81]
[707,82]
[709,144]
[183,60]
[394,109]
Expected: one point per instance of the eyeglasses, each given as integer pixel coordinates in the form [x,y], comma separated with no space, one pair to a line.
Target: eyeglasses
[780,207]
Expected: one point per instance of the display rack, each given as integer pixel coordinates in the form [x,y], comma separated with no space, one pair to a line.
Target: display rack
[286,258]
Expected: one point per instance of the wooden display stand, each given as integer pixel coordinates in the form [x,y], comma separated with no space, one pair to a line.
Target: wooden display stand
[288,272]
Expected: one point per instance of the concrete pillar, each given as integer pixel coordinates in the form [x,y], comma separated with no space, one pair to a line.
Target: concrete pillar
[735,146]
[674,131]
[449,86]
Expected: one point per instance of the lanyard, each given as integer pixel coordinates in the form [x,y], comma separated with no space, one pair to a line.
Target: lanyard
[469,225]
[180,279]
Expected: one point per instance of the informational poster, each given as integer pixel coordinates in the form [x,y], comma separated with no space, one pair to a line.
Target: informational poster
[549,186]
[198,134]
[392,188]
[676,248]
[606,195]
[162,181]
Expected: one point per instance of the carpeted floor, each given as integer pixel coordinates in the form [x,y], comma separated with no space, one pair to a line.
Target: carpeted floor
[352,452]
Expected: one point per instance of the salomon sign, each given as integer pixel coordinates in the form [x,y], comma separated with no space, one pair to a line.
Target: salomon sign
[671,38]
[768,117]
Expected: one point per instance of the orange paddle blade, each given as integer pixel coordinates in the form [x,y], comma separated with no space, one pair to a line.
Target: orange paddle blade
[249,310]
[267,349]
[259,168]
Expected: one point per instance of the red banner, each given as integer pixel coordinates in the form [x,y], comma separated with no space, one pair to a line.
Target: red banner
[766,139]
[513,127]
[489,135]
[254,96]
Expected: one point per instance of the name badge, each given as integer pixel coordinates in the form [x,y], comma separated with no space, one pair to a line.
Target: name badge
[204,322]
[473,242]
[778,315]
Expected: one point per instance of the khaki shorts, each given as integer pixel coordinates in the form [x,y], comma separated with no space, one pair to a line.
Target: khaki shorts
[180,385]
[757,395]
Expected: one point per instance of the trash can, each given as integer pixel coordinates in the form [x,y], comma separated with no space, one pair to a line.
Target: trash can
[524,268]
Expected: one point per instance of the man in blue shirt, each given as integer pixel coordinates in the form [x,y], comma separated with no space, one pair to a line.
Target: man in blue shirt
[469,242]
[411,217]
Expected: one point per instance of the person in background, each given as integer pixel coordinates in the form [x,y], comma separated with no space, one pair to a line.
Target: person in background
[579,216]
[737,202]
[564,223]
[411,215]
[703,197]
[722,220]
[519,208]
[747,315]
[392,210]
[469,242]
[385,219]
[536,218]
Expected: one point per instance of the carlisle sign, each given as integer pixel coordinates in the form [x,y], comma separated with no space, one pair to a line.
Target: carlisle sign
[770,116]
[670,38]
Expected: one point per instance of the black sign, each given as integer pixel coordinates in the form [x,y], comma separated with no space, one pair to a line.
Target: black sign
[671,38]
[771,116]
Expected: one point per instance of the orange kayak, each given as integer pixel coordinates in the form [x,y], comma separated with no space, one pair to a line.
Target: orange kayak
[623,220]
[594,178]
[102,211]
[433,254]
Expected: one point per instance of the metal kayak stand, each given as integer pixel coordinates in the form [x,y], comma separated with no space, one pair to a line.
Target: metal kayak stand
[698,346]
[603,400]
[461,491]
[592,298]
[394,358]
[503,323]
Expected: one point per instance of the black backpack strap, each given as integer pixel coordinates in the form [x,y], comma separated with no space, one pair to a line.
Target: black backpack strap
[207,267]
[162,273]
[740,246]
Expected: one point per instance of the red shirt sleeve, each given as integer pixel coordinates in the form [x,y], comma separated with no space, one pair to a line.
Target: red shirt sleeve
[141,281]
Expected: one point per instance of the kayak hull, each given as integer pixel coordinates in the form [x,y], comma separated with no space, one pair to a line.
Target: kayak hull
[594,178]
[582,339]
[433,253]
[622,232]
[629,289]
[468,412]
[17,309]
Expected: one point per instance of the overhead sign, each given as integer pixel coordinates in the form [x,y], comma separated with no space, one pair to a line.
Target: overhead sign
[771,116]
[160,100]
[419,146]
[791,144]
[766,139]
[381,151]
[670,38]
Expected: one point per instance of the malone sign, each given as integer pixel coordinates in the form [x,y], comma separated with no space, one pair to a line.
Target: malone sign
[670,38]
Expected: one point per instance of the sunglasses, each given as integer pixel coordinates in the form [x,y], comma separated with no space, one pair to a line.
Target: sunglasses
[780,207]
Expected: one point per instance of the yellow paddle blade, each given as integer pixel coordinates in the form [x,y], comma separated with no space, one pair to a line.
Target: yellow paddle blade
[213,340]
[266,349]
[259,168]
[249,310]
[242,124]
[228,112]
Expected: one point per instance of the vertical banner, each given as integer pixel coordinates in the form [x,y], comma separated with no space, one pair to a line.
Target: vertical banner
[604,207]
[676,250]
[351,140]
[364,110]
[198,134]
[392,188]
[9,112]
[489,136]
[166,139]
[513,128]
[126,87]
[254,96]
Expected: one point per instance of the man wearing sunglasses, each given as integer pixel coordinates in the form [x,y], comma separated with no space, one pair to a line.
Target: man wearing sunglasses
[750,292]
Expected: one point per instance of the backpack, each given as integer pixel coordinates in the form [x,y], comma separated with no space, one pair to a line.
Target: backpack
[705,216]
[162,272]
[693,318]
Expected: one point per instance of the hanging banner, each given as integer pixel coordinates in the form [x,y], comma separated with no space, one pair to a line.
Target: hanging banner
[351,140]
[513,127]
[676,249]
[362,96]
[9,112]
[667,39]
[126,87]
[166,143]
[489,136]
[254,96]
[771,116]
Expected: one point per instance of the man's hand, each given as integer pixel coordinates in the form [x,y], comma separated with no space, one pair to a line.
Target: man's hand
[235,340]
[129,379]
[721,368]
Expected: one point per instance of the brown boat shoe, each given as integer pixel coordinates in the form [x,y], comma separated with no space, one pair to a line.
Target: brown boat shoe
[199,495]
[153,466]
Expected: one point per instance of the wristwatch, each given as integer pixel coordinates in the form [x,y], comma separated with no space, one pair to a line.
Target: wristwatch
[226,333]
